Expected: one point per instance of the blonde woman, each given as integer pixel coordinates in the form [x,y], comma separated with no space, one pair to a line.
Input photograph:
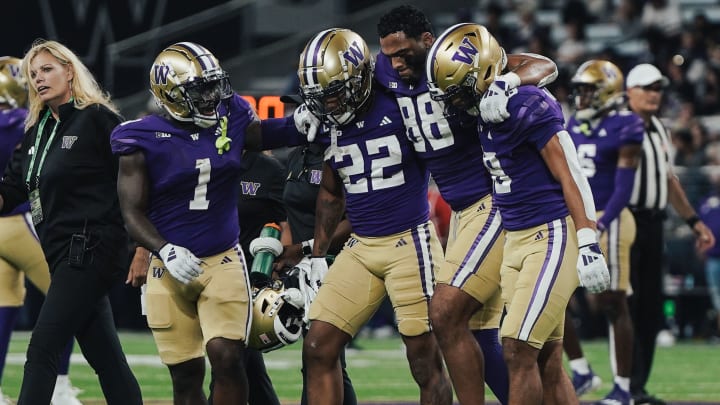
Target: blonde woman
[65,169]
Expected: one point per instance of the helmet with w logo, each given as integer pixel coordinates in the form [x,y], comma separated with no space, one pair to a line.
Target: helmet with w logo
[335,71]
[461,64]
[13,90]
[187,81]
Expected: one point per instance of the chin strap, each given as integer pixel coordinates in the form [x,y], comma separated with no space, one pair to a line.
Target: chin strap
[222,143]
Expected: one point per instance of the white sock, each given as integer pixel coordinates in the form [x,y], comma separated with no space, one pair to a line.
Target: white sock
[623,383]
[580,365]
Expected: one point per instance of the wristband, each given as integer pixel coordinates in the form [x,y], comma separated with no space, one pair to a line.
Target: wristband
[586,236]
[692,221]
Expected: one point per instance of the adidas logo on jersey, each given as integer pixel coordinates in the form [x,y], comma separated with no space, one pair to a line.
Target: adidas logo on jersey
[539,235]
[162,135]
[226,260]
[401,242]
[351,242]
[385,121]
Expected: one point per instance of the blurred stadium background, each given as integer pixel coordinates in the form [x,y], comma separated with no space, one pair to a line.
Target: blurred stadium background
[259,41]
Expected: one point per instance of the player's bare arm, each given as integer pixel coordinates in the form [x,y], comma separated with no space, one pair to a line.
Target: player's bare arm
[133,190]
[329,208]
[532,68]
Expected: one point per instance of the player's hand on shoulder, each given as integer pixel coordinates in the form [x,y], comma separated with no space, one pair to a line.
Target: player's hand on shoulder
[591,265]
[493,105]
[180,262]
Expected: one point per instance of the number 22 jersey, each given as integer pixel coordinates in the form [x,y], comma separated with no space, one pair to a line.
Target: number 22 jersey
[385,185]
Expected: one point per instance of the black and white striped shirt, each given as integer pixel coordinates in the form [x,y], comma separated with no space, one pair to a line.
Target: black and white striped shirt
[651,178]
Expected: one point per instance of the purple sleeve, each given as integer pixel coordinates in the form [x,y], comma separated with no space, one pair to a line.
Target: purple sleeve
[122,141]
[632,131]
[538,116]
[624,180]
[279,132]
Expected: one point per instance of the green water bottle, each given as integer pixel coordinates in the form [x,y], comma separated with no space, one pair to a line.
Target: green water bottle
[262,267]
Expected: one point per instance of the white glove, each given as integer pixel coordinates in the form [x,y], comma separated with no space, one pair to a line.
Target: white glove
[493,105]
[591,266]
[306,122]
[180,262]
[294,297]
[266,244]
[310,277]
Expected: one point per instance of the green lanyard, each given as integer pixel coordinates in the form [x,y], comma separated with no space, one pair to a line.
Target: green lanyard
[41,127]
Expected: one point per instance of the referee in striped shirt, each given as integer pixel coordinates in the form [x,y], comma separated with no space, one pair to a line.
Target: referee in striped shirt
[655,186]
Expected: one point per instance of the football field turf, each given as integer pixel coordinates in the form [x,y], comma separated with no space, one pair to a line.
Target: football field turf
[685,373]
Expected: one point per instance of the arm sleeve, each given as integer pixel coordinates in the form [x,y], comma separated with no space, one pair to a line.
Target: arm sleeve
[624,181]
[576,171]
[279,132]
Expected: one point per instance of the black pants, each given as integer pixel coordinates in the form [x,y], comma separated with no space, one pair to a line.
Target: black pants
[77,305]
[646,271]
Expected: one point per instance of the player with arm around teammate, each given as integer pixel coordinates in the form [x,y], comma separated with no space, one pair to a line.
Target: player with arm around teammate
[466,300]
[543,199]
[370,173]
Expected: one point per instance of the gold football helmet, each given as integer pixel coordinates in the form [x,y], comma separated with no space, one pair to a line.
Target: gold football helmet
[13,87]
[461,64]
[275,322]
[335,72]
[188,82]
[597,86]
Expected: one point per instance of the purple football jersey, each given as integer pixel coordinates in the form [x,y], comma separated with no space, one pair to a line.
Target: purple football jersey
[449,146]
[598,149]
[385,186]
[193,189]
[524,189]
[12,128]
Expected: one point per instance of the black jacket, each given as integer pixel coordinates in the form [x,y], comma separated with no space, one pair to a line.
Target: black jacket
[77,183]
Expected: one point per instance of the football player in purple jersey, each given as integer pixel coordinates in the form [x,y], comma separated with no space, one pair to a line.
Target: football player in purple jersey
[179,184]
[543,198]
[372,174]
[608,139]
[467,294]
